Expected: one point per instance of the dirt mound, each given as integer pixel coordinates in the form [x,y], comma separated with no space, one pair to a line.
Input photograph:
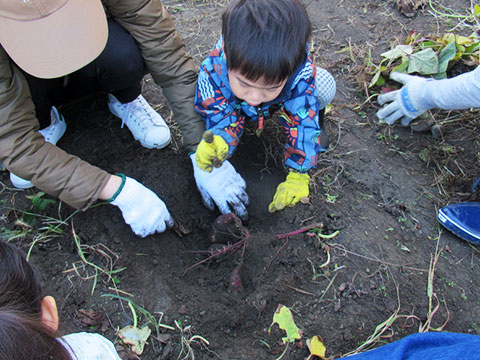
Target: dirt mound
[363,252]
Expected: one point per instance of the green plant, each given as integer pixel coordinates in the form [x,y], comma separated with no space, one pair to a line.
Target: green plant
[283,317]
[379,330]
[431,295]
[431,55]
[104,252]
[157,324]
[187,340]
[332,199]
[39,202]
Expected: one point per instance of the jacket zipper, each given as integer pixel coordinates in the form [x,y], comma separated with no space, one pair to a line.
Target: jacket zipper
[260,121]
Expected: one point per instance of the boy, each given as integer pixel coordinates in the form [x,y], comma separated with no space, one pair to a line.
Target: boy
[260,65]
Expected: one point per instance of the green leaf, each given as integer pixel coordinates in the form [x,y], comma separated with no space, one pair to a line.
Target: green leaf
[38,202]
[424,155]
[28,220]
[397,52]
[476,10]
[447,54]
[424,62]
[328,108]
[284,318]
[380,81]
[374,79]
[472,48]
[403,66]
[440,75]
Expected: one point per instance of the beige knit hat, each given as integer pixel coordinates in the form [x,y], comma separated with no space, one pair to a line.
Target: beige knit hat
[52,38]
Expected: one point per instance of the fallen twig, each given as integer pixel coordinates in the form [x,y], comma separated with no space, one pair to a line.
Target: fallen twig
[300,291]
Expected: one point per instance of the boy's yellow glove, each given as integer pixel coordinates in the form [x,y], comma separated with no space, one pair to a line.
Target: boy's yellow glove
[211,152]
[291,191]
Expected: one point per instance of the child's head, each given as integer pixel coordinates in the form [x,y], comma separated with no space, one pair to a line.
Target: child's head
[264,42]
[28,319]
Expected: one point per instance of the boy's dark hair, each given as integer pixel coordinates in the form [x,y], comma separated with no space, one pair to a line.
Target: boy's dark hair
[265,38]
[22,332]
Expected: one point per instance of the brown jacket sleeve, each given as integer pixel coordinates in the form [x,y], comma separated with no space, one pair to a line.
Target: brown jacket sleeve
[167,61]
[24,152]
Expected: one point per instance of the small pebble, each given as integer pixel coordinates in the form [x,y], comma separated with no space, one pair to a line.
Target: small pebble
[437,132]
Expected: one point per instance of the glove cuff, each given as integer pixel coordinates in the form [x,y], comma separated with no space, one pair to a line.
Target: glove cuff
[412,95]
[193,157]
[120,188]
[127,194]
[298,176]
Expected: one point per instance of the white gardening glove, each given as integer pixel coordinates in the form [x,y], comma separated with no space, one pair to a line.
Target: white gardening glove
[405,103]
[142,209]
[222,186]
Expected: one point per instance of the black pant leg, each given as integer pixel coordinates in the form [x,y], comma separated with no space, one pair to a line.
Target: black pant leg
[118,70]
[43,93]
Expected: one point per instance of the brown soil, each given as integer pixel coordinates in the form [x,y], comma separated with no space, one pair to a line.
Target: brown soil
[371,186]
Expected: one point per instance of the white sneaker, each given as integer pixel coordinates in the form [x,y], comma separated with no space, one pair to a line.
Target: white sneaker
[52,134]
[146,125]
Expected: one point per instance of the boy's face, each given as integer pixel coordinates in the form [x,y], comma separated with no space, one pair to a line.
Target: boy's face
[253,92]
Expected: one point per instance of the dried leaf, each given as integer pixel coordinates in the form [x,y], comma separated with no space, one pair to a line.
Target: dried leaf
[284,318]
[93,318]
[316,347]
[398,52]
[135,337]
[305,200]
[409,7]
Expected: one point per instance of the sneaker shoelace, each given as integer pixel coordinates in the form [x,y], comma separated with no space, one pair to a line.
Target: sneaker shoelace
[140,110]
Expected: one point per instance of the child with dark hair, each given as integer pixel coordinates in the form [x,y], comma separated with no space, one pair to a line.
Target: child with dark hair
[29,319]
[261,65]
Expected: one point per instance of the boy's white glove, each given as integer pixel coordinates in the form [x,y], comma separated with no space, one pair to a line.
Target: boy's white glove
[405,103]
[222,186]
[142,209]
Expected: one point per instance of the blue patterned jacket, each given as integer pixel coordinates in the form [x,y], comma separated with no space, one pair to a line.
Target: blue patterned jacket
[225,115]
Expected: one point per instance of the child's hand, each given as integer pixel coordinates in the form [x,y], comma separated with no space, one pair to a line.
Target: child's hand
[211,152]
[290,192]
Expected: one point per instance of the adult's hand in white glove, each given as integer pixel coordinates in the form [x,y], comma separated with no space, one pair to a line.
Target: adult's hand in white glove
[405,103]
[142,209]
[222,186]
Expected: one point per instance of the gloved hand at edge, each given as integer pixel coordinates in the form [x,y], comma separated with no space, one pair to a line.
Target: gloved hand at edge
[211,151]
[291,191]
[404,104]
[223,187]
[141,208]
